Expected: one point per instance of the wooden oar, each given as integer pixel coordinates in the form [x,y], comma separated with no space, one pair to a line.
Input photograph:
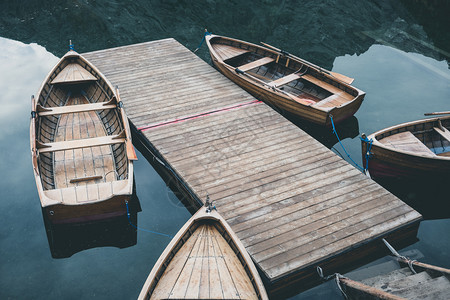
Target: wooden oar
[131,153]
[341,77]
[33,135]
[437,113]
[306,102]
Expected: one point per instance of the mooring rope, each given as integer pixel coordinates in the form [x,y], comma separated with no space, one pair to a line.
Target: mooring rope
[141,229]
[336,277]
[203,39]
[348,155]
[367,155]
[396,254]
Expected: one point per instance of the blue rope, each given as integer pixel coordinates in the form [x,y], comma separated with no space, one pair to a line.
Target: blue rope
[367,155]
[203,39]
[348,155]
[138,228]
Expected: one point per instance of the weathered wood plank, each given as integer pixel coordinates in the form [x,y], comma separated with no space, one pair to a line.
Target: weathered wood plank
[321,198]
[369,215]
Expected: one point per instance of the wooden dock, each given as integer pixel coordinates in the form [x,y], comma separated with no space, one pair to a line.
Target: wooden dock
[294,203]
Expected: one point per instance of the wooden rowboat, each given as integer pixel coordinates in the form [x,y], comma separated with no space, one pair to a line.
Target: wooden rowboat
[81,146]
[286,81]
[415,280]
[205,260]
[419,149]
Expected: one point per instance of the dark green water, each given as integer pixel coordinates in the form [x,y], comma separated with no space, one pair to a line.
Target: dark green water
[397,51]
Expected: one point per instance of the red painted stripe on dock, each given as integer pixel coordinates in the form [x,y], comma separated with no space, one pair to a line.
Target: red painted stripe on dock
[196,116]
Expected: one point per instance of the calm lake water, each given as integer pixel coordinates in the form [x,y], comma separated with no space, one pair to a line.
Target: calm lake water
[398,53]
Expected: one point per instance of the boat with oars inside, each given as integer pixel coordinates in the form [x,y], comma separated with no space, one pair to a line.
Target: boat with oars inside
[286,81]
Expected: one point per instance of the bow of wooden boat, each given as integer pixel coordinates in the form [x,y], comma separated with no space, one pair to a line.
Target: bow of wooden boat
[204,260]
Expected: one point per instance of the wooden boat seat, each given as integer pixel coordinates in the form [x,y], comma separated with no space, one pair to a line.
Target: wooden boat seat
[331,101]
[406,141]
[73,73]
[443,132]
[284,80]
[50,111]
[327,86]
[81,143]
[84,193]
[228,52]
[257,63]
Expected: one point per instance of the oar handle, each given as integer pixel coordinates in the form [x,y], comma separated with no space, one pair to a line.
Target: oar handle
[338,76]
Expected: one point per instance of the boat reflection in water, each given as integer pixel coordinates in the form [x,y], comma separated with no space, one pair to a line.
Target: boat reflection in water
[67,239]
[348,128]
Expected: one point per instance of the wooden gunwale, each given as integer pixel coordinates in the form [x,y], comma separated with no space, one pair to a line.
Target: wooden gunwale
[376,293]
[370,291]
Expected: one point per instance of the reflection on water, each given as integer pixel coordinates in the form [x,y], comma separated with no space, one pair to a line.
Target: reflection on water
[102,260]
[349,128]
[429,197]
[67,239]
[400,84]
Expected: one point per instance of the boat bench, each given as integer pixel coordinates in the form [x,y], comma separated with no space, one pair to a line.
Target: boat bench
[81,143]
[406,141]
[331,101]
[443,132]
[83,193]
[326,86]
[59,110]
[229,52]
[257,63]
[284,80]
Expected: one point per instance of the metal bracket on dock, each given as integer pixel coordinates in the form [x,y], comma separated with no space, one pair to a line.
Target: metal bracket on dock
[209,205]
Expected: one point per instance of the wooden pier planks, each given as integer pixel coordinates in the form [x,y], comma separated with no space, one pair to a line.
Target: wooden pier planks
[292,202]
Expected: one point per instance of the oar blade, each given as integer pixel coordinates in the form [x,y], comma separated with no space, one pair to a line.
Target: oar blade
[343,78]
[437,113]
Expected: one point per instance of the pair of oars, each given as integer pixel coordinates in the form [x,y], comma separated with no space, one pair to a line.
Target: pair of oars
[338,76]
[341,77]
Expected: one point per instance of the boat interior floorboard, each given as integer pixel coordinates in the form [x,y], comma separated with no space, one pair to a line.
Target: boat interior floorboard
[78,167]
[205,268]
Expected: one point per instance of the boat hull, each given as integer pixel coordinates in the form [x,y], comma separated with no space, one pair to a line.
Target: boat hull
[387,162]
[69,214]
